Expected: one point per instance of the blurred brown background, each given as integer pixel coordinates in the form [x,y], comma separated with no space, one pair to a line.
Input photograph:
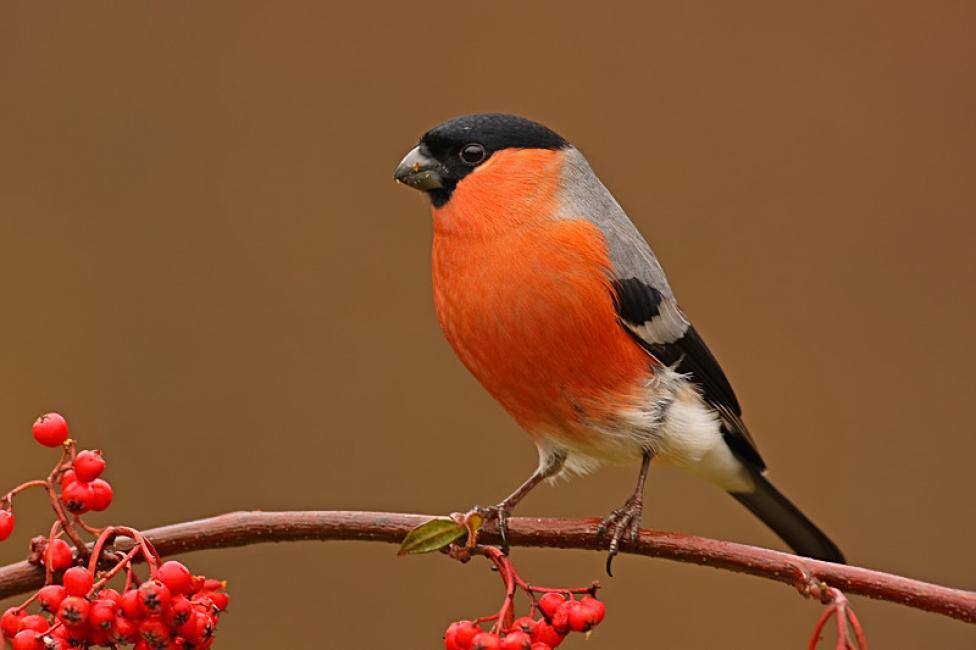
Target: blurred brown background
[205,264]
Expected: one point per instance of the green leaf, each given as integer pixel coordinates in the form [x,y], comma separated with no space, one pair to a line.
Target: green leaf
[431,536]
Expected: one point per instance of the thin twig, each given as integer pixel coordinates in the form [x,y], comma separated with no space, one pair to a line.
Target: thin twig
[245,528]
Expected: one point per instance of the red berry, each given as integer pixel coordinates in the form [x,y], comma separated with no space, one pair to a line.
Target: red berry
[68,478]
[110,594]
[6,524]
[27,640]
[154,597]
[89,465]
[464,633]
[10,622]
[220,600]
[581,618]
[179,612]
[34,622]
[58,555]
[175,576]
[450,643]
[486,641]
[131,606]
[550,602]
[541,646]
[74,611]
[560,620]
[51,429]
[215,601]
[97,637]
[78,581]
[212,584]
[546,634]
[450,636]
[126,630]
[76,634]
[517,641]
[77,497]
[154,632]
[101,495]
[198,629]
[524,624]
[50,598]
[102,614]
[596,606]
[197,584]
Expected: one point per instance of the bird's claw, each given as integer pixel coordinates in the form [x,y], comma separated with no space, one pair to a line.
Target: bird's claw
[499,514]
[625,524]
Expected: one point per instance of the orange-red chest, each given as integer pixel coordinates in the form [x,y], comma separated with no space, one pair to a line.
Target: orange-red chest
[524,299]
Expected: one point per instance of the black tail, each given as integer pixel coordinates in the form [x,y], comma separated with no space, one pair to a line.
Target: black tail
[786,520]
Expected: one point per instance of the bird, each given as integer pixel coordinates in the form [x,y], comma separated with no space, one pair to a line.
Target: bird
[555,302]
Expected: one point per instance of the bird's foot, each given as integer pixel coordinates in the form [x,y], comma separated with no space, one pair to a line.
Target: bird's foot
[622,524]
[500,515]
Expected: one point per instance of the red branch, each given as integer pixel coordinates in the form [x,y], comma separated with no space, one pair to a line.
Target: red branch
[245,528]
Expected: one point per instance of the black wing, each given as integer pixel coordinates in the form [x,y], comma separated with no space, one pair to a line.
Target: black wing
[655,322]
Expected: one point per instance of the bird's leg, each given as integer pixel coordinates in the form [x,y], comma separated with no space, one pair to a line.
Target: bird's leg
[550,464]
[626,520]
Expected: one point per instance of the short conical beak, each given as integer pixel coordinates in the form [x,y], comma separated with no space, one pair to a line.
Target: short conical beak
[420,171]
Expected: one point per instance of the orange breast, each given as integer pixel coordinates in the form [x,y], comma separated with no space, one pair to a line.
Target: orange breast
[525,301]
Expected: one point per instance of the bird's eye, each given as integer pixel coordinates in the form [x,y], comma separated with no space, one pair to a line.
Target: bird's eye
[472,154]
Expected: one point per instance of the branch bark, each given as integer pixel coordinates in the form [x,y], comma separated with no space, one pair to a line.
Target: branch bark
[245,528]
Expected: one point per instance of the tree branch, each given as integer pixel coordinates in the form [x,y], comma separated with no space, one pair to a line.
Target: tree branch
[245,528]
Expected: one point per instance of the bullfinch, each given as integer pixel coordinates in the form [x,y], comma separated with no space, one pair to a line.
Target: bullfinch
[549,295]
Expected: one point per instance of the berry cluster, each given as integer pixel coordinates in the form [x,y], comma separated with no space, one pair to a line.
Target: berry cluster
[81,489]
[561,614]
[172,609]
[552,616]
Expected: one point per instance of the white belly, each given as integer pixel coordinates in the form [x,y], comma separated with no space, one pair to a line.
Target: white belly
[674,424]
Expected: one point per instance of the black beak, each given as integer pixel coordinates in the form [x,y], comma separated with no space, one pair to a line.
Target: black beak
[420,171]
